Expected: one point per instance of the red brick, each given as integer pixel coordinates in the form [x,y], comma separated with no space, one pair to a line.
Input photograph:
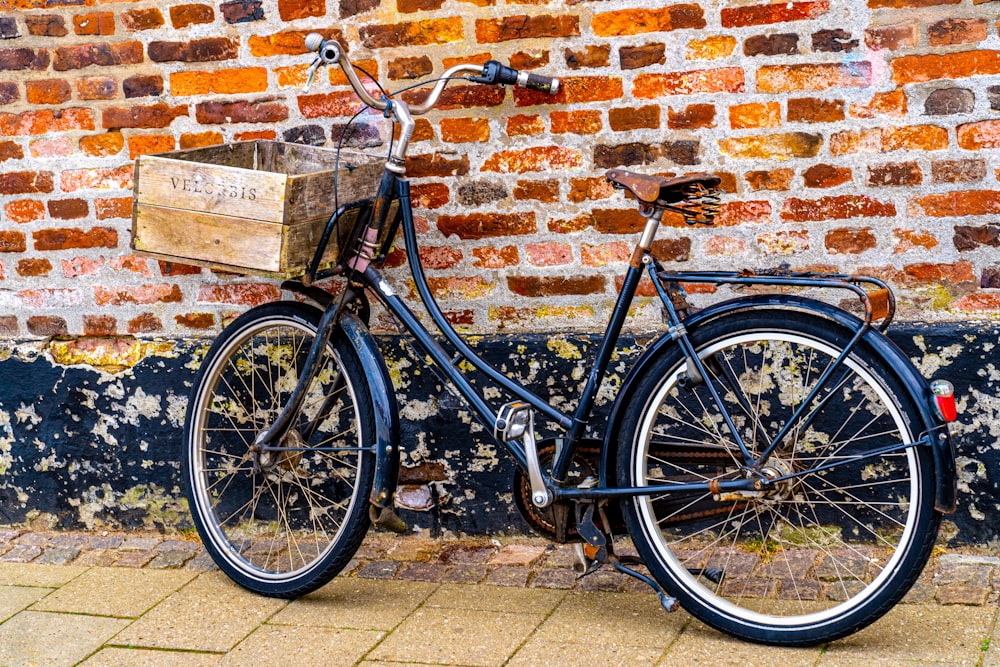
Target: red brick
[773,146]
[440,257]
[956,31]
[576,122]
[743,212]
[635,21]
[958,65]
[51,147]
[259,111]
[781,44]
[979,302]
[616,252]
[9,92]
[158,115]
[691,117]
[290,10]
[145,323]
[528,60]
[486,225]
[242,11]
[543,191]
[47,325]
[536,158]
[487,257]
[45,122]
[906,4]
[26,182]
[430,195]
[783,243]
[773,179]
[207,49]
[23,59]
[96,88]
[49,91]
[671,250]
[82,266]
[961,203]
[908,239]
[68,209]
[337,103]
[145,294]
[11,241]
[934,274]
[95,23]
[723,80]
[142,86]
[979,135]
[780,12]
[199,321]
[110,178]
[410,68]
[99,325]
[548,286]
[826,176]
[617,221]
[34,267]
[754,115]
[71,237]
[891,37]
[418,33]
[848,241]
[790,78]
[465,130]
[80,56]
[441,166]
[813,110]
[589,189]
[894,174]
[49,25]
[10,150]
[175,269]
[625,119]
[254,135]
[102,145]
[958,171]
[137,20]
[636,57]
[526,27]
[24,210]
[838,207]
[588,56]
[548,254]
[132,264]
[243,294]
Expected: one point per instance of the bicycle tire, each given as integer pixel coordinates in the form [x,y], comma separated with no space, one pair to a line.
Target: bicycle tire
[284,523]
[825,554]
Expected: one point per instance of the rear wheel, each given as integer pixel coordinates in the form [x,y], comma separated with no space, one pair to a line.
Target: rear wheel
[847,525]
[280,523]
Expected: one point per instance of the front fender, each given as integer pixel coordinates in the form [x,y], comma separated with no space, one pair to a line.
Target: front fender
[384,403]
[917,387]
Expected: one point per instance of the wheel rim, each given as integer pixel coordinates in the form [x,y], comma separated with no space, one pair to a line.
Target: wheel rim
[277,523]
[810,553]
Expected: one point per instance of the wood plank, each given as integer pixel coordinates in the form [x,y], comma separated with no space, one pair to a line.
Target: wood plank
[231,191]
[312,195]
[191,238]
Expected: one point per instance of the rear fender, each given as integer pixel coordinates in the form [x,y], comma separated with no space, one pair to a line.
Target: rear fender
[916,386]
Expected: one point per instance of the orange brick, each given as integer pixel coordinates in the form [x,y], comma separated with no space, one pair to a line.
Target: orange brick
[773,146]
[883,140]
[143,144]
[524,125]
[724,80]
[574,90]
[710,48]
[465,130]
[788,78]
[536,158]
[636,21]
[226,81]
[908,239]
[838,207]
[891,105]
[778,12]
[200,139]
[576,122]
[959,65]
[288,43]
[976,136]
[102,145]
[961,203]
[24,210]
[754,114]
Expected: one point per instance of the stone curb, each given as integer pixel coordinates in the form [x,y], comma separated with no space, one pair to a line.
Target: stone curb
[962,577]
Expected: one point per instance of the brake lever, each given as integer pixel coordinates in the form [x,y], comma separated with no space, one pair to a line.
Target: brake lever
[311,74]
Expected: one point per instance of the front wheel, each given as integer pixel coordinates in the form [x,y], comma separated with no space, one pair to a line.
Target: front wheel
[282,522]
[848,524]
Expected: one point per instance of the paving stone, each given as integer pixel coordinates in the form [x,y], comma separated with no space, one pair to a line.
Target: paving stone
[57,556]
[467,554]
[361,604]
[632,620]
[21,553]
[34,539]
[413,549]
[140,657]
[134,558]
[605,653]
[112,591]
[178,545]
[962,594]
[15,598]
[106,541]
[139,544]
[509,576]
[201,563]
[303,646]
[602,580]
[70,540]
[554,577]
[464,574]
[170,559]
[209,614]
[97,557]
[45,576]
[8,535]
[378,569]
[459,637]
[421,572]
[495,598]
[54,640]
[701,645]
[518,555]
[563,555]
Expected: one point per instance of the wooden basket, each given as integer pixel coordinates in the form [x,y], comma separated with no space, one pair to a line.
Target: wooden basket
[257,207]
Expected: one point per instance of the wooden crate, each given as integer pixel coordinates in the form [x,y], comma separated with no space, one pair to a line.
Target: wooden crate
[256,207]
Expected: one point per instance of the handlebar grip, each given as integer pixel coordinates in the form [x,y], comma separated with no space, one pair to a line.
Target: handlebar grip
[314,41]
[545,84]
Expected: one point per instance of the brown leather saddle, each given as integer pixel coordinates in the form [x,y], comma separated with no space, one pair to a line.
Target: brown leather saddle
[650,190]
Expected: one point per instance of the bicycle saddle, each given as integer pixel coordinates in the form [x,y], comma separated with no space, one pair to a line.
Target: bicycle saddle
[651,189]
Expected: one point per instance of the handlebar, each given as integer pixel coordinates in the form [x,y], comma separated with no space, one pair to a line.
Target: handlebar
[330,52]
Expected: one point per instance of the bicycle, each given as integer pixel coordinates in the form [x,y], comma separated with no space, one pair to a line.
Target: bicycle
[779,465]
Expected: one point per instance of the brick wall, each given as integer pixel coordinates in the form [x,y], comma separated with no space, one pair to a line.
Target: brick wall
[854,135]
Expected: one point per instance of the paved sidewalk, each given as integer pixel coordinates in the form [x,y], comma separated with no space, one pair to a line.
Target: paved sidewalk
[121,600]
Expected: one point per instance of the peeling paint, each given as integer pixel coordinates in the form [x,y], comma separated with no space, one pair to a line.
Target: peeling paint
[112,355]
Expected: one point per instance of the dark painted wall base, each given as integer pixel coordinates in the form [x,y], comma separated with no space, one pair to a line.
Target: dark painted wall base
[89,440]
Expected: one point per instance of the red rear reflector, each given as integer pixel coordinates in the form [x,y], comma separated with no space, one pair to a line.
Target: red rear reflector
[944,400]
